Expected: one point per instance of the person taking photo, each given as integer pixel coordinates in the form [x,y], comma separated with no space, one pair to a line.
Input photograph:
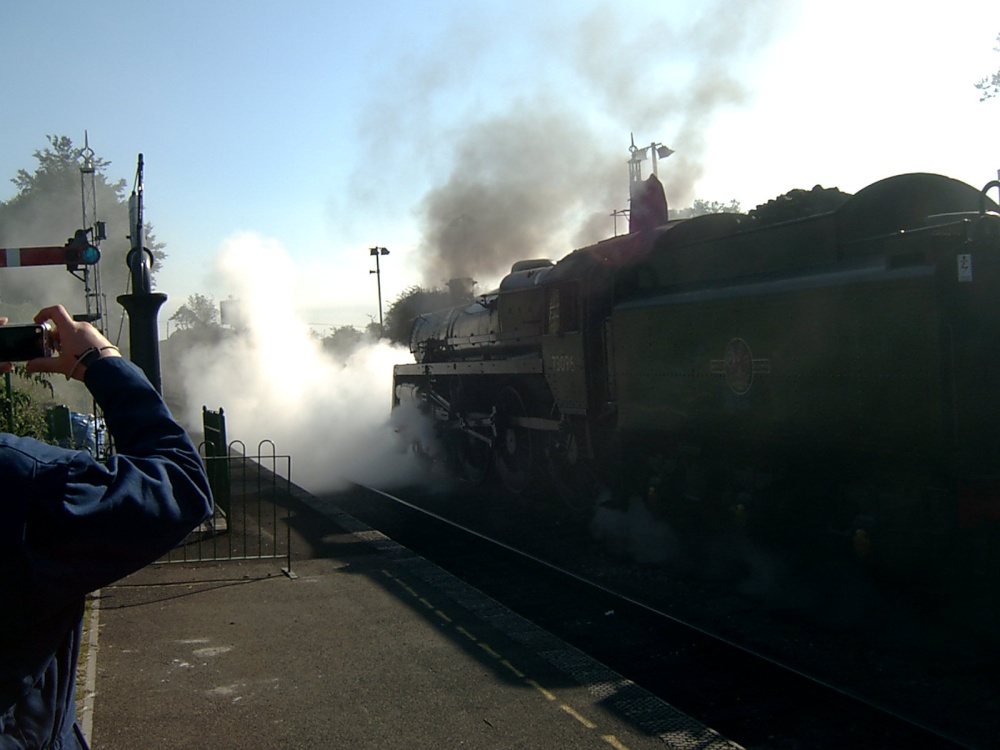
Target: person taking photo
[70,524]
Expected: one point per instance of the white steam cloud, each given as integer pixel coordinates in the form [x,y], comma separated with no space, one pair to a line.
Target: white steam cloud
[276,383]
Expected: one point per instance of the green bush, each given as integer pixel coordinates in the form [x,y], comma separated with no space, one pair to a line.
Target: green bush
[23,411]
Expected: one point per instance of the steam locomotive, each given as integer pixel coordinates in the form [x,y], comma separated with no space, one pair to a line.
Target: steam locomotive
[827,359]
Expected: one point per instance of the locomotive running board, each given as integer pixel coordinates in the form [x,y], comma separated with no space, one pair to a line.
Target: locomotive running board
[531,366]
[469,425]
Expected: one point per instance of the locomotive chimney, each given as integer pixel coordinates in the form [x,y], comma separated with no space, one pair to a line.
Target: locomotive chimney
[648,205]
[461,290]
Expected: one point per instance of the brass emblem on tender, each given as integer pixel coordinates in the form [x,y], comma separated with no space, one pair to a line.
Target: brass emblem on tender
[739,366]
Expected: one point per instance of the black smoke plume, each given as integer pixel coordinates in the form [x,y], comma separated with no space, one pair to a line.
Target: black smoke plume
[543,176]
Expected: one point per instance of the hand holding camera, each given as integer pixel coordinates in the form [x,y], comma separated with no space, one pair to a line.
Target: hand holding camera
[55,343]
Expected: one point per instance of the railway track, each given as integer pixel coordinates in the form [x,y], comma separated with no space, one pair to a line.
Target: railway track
[749,696]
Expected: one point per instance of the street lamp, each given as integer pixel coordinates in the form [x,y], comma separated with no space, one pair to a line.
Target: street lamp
[638,155]
[377,251]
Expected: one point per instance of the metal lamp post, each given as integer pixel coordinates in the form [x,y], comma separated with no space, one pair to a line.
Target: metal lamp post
[638,155]
[377,251]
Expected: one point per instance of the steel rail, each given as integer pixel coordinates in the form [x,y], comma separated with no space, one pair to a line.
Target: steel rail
[844,692]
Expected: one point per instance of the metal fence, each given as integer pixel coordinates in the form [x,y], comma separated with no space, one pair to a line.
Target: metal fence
[252,518]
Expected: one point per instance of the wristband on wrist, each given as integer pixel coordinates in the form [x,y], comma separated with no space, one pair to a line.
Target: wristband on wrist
[88,358]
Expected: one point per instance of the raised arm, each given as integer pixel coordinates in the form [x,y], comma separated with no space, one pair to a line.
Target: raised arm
[82,523]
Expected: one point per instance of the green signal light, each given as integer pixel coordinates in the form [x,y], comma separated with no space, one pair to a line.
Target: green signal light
[90,255]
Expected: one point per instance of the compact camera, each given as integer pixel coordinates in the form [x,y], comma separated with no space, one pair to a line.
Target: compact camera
[19,343]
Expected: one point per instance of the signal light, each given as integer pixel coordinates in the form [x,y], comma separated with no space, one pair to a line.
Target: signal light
[79,251]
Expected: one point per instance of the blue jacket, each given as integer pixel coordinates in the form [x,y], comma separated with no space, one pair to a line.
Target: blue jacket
[70,524]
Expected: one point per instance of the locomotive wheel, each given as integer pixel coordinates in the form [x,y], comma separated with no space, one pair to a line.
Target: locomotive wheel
[474,458]
[471,457]
[572,480]
[514,446]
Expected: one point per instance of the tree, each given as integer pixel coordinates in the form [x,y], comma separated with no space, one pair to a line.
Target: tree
[47,210]
[990,86]
[412,302]
[198,312]
[23,412]
[373,330]
[701,207]
[342,341]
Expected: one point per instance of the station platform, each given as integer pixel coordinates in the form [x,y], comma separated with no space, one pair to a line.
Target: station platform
[368,646]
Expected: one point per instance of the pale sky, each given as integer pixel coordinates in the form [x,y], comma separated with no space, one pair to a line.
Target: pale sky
[323,127]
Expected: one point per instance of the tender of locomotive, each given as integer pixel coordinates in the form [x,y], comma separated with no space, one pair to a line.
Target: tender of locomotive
[835,357]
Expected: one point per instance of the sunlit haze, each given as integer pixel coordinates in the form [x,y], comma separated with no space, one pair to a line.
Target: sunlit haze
[283,140]
[325,127]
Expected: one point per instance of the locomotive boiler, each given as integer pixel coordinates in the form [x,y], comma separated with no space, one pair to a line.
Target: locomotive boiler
[833,356]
